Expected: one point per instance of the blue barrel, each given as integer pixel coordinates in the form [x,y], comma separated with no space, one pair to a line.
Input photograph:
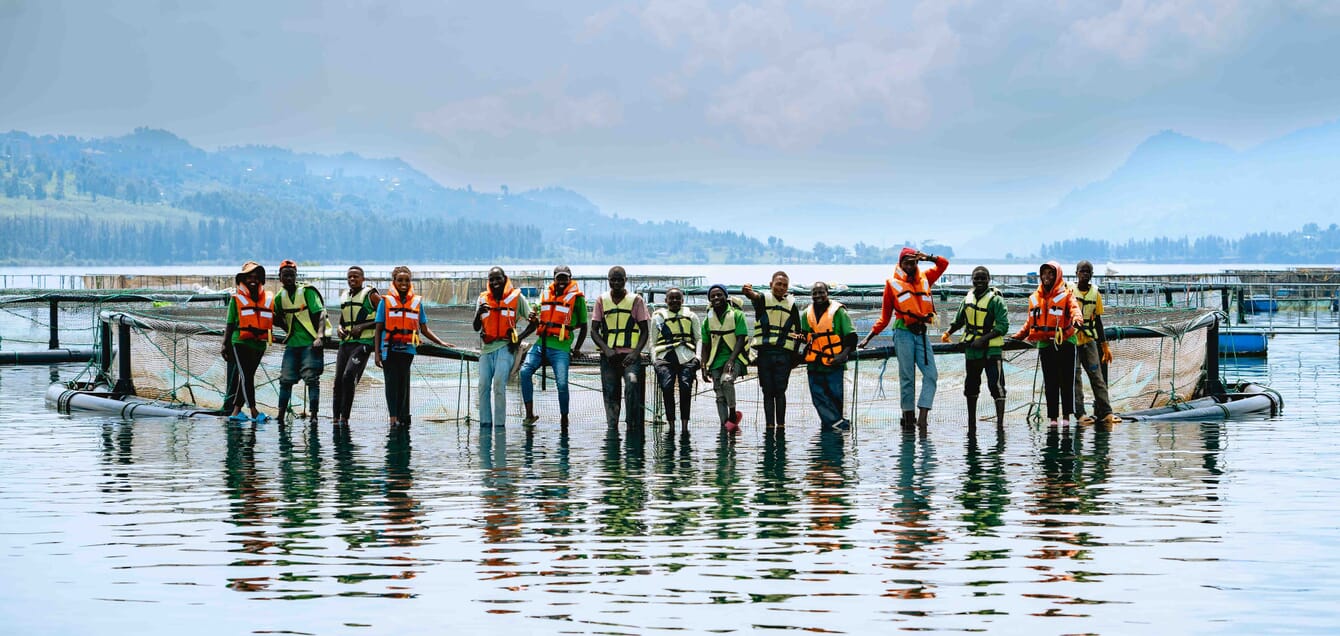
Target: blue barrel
[1242,343]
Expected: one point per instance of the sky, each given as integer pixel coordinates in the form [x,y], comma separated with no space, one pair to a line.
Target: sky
[836,121]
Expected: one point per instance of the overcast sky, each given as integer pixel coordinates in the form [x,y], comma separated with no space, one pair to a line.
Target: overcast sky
[909,119]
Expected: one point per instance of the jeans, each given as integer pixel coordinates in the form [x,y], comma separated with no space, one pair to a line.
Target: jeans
[1058,378]
[725,389]
[826,390]
[537,357]
[623,382]
[349,364]
[494,367]
[1088,358]
[395,372]
[914,352]
[671,373]
[305,362]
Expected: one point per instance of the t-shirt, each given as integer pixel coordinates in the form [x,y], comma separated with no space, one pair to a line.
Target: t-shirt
[722,353]
[640,314]
[399,347]
[842,326]
[577,318]
[258,345]
[522,309]
[298,336]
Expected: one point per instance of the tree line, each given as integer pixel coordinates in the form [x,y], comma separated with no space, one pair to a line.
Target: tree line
[1310,244]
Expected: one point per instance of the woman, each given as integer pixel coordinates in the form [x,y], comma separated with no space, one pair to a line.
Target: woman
[245,338]
[400,320]
[1053,318]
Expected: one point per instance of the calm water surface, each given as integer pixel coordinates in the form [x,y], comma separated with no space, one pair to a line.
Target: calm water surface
[110,526]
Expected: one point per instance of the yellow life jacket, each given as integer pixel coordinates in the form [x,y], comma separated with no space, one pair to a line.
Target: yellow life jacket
[353,310]
[296,307]
[721,332]
[778,320]
[1088,305]
[676,330]
[976,312]
[620,328]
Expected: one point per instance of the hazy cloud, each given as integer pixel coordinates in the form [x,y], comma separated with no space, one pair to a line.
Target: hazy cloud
[541,109]
[1136,30]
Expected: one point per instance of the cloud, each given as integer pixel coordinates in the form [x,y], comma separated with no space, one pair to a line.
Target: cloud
[541,109]
[834,88]
[1135,31]
[719,38]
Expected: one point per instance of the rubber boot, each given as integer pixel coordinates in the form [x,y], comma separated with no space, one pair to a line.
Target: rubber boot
[1000,412]
[922,417]
[909,420]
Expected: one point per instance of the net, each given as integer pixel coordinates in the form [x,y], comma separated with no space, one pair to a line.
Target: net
[1158,354]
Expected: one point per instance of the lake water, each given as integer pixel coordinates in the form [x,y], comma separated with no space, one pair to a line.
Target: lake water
[155,526]
[159,526]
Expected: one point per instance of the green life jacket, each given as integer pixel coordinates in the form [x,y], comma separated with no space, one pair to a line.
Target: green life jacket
[778,320]
[296,308]
[353,310]
[620,328]
[721,333]
[978,318]
[676,329]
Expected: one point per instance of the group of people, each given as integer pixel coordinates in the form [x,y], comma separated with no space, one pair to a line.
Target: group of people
[1064,322]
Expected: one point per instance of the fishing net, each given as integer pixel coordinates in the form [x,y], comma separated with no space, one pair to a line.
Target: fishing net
[1159,356]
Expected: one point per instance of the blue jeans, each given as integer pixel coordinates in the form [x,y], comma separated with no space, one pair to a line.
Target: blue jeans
[493,371]
[914,352]
[306,363]
[826,390]
[537,357]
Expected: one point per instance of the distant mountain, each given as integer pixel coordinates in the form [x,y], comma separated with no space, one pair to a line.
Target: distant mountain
[1174,186]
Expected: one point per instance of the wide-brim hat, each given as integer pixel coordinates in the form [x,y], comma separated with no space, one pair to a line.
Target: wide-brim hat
[247,268]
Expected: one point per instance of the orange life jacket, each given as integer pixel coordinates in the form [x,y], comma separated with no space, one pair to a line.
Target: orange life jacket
[500,321]
[1049,315]
[255,318]
[402,319]
[912,299]
[556,310]
[825,344]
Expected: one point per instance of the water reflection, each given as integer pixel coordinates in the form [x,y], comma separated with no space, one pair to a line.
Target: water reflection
[502,515]
[623,490]
[402,527]
[251,504]
[913,526]
[353,486]
[118,441]
[677,481]
[986,489]
[775,500]
[827,480]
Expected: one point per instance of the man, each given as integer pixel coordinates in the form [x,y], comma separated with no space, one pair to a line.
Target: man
[776,323]
[1091,350]
[675,335]
[907,297]
[299,310]
[619,330]
[724,334]
[830,338]
[561,323]
[500,307]
[985,320]
[358,326]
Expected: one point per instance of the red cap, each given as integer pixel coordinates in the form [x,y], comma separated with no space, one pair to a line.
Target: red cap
[287,263]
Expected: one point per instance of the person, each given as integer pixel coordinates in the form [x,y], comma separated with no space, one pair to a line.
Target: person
[724,334]
[499,309]
[907,297]
[300,311]
[560,322]
[829,338]
[776,321]
[401,318]
[357,328]
[1092,353]
[247,333]
[619,330]
[675,332]
[1053,318]
[984,320]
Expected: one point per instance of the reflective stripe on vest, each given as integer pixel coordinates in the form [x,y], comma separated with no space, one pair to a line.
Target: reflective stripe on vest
[556,308]
[676,329]
[298,309]
[721,332]
[978,318]
[354,310]
[402,319]
[255,319]
[500,321]
[620,329]
[1051,316]
[912,300]
[825,343]
[778,320]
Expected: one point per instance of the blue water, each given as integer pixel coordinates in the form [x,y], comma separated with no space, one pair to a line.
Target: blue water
[154,526]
